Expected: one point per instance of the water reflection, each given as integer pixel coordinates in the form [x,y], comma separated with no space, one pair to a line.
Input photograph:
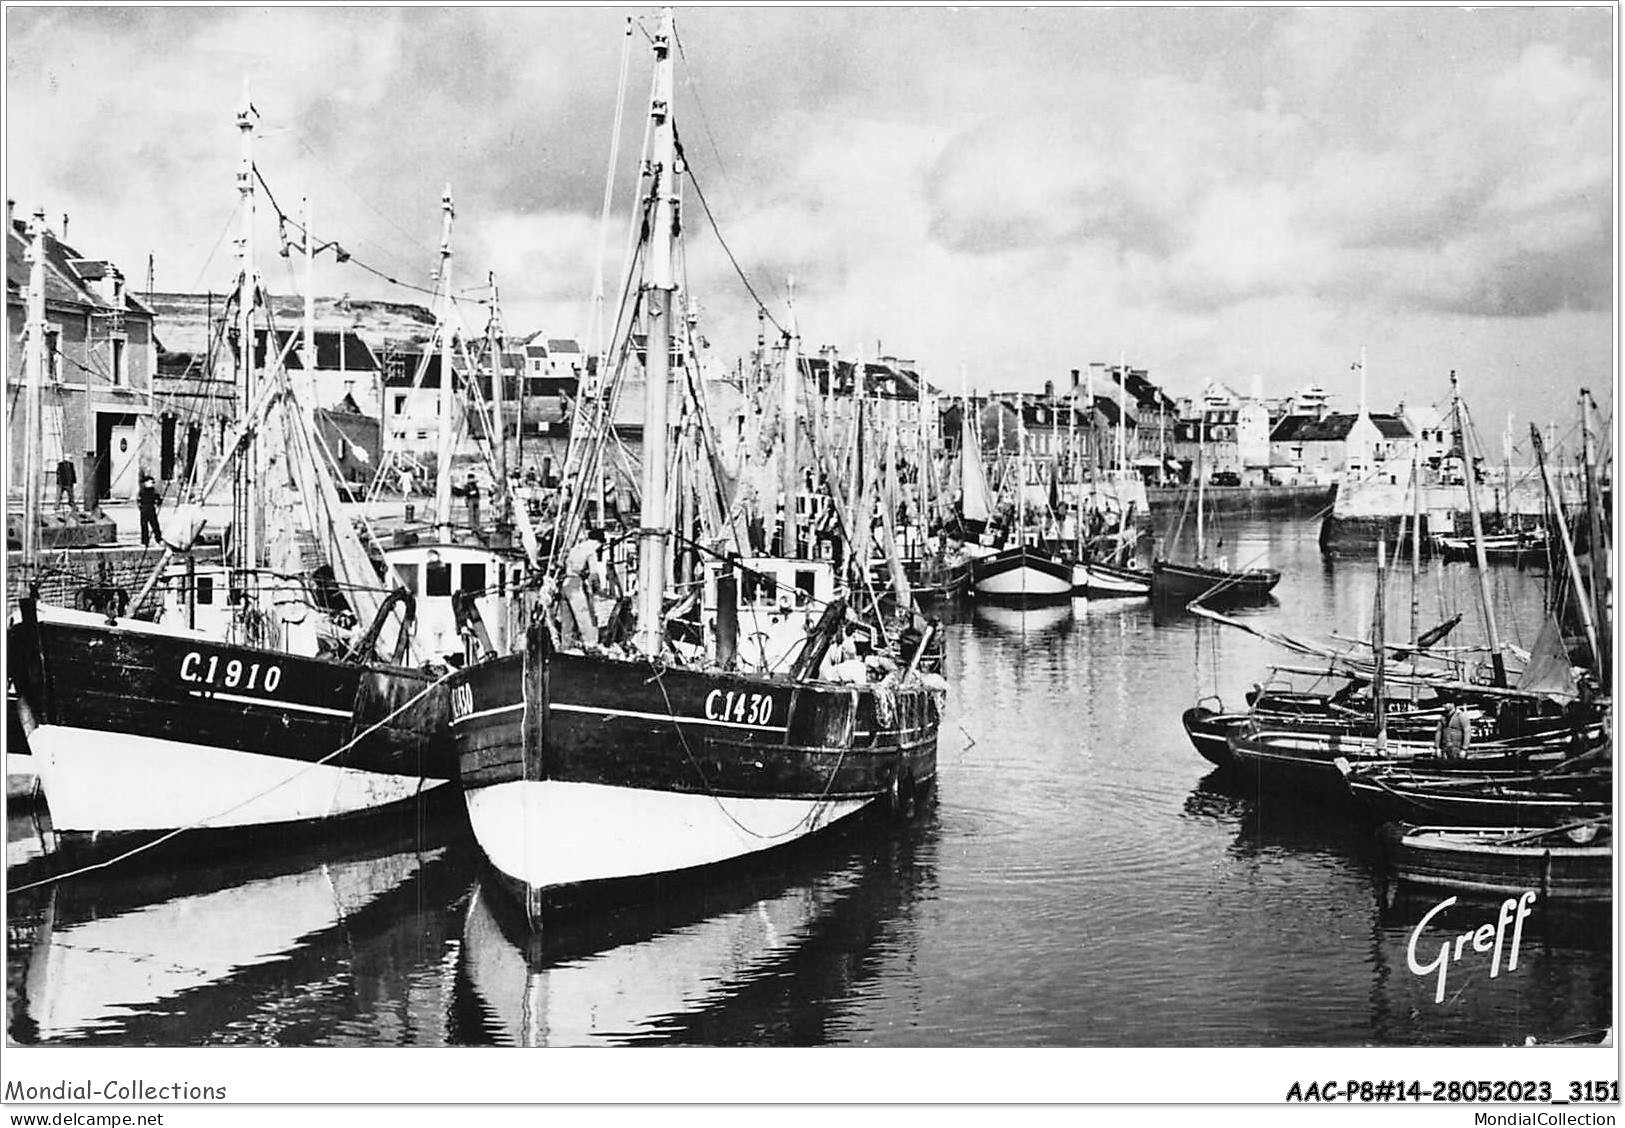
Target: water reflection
[1560,990]
[772,956]
[277,947]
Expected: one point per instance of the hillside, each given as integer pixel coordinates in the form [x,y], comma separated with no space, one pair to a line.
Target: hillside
[182,319]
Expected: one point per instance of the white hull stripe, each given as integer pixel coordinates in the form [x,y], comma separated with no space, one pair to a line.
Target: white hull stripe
[476,715]
[563,708]
[296,706]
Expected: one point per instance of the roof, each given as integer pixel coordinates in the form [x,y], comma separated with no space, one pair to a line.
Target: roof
[881,381]
[1333,428]
[68,274]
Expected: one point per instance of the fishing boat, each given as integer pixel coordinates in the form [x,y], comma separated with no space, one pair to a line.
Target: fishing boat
[1521,547]
[1572,862]
[585,768]
[1207,579]
[1098,579]
[300,709]
[1457,797]
[1022,573]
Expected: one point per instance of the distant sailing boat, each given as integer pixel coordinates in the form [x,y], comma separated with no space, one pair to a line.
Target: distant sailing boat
[1022,571]
[583,766]
[1177,584]
[282,717]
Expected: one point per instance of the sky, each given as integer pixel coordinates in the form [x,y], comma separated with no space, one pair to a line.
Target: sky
[1241,194]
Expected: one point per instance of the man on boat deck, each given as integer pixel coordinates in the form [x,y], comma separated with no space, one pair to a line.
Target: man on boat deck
[471,494]
[583,578]
[1455,732]
[146,502]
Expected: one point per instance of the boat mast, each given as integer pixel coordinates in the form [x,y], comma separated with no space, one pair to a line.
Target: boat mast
[442,485]
[1416,548]
[1496,659]
[1596,535]
[247,296]
[493,343]
[33,392]
[658,292]
[792,377]
[1201,485]
[1582,597]
[1379,647]
[1021,468]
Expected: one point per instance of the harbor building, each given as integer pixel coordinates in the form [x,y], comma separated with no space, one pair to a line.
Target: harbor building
[101,358]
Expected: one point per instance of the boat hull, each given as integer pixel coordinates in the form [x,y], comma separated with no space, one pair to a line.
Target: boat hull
[1022,575]
[1180,584]
[138,728]
[578,769]
[1107,581]
[1494,862]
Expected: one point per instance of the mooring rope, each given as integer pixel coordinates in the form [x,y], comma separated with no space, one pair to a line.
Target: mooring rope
[203,822]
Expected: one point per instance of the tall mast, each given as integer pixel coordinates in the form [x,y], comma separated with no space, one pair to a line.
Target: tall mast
[1582,599]
[1021,469]
[442,485]
[308,361]
[1496,660]
[1597,535]
[247,296]
[1201,485]
[658,292]
[1416,545]
[33,472]
[792,379]
[493,341]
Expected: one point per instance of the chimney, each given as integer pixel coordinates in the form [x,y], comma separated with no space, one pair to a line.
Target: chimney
[1049,389]
[1074,379]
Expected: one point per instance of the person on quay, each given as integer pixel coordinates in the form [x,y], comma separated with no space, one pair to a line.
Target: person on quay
[1455,732]
[583,579]
[146,501]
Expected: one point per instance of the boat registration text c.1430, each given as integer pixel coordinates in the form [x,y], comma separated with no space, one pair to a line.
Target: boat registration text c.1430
[739,707]
[233,673]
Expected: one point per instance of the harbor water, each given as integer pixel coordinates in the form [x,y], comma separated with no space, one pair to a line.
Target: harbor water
[1081,877]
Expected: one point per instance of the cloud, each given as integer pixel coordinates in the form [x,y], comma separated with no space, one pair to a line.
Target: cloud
[1023,191]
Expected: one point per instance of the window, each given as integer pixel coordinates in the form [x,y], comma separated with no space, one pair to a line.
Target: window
[806,583]
[120,376]
[437,578]
[166,448]
[203,594]
[400,404]
[407,576]
[472,578]
[53,354]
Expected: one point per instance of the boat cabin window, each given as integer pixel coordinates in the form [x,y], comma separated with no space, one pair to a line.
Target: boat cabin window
[203,591]
[806,585]
[437,578]
[407,576]
[472,578]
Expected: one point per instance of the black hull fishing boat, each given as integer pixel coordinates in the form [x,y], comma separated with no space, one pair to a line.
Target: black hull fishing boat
[639,754]
[137,728]
[281,712]
[1176,585]
[1570,863]
[581,769]
[1462,798]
